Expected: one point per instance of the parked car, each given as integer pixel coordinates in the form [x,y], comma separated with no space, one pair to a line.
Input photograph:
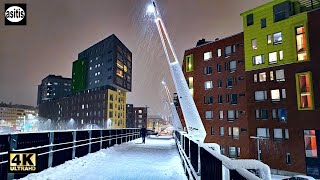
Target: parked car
[300,177]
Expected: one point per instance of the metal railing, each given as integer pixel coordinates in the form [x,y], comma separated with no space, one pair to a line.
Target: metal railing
[56,147]
[202,161]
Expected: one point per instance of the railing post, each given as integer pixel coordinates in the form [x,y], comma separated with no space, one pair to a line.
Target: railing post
[199,161]
[50,155]
[74,133]
[101,134]
[90,133]
[13,141]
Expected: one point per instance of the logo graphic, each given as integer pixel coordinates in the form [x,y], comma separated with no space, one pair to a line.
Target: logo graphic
[15,14]
[21,162]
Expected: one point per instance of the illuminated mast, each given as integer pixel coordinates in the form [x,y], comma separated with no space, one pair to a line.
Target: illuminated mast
[191,115]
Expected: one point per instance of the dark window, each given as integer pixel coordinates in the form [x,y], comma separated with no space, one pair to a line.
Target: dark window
[288,158]
[282,115]
[263,114]
[234,98]
[241,78]
[220,99]
[212,131]
[208,99]
[227,98]
[249,19]
[263,23]
[281,11]
[220,83]
[242,94]
[219,68]
[227,66]
[229,82]
[207,70]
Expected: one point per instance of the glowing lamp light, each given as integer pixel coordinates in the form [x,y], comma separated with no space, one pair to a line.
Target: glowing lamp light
[163,82]
[151,9]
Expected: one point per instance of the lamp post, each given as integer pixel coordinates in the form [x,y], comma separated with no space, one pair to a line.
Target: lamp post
[258,144]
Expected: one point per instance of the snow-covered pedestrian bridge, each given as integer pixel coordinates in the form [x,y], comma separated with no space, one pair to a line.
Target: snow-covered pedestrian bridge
[158,158]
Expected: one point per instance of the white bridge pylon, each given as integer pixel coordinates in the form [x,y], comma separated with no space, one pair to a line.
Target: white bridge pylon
[175,117]
[190,112]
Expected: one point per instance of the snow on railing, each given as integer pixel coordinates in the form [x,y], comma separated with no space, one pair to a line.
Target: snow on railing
[215,165]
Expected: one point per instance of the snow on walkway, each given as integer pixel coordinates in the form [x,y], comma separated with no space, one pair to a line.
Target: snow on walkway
[157,159]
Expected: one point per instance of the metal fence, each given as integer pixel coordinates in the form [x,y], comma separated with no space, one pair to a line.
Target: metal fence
[201,161]
[56,147]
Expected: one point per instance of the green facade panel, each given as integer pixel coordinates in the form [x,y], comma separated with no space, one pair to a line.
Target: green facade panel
[287,27]
[79,75]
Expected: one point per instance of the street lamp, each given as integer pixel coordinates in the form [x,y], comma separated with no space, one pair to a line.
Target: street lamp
[258,144]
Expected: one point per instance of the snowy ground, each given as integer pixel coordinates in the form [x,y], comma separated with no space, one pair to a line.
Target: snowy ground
[157,159]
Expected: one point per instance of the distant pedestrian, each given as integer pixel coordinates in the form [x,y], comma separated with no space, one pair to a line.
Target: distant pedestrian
[143,133]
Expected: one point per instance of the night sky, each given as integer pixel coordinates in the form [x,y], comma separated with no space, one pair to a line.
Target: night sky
[58,30]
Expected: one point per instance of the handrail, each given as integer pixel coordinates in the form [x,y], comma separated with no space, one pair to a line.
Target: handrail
[240,165]
[96,140]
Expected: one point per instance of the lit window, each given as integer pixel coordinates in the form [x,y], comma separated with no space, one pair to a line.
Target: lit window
[262,77]
[220,114]
[208,85]
[207,56]
[219,53]
[119,64]
[260,95]
[301,44]
[286,133]
[255,78]
[305,94]
[189,63]
[269,39]
[120,73]
[125,68]
[258,59]
[310,142]
[231,115]
[277,133]
[280,75]
[271,76]
[275,95]
[280,55]
[283,93]
[263,132]
[209,115]
[232,152]
[221,131]
[273,58]
[227,51]
[190,79]
[90,68]
[277,38]
[254,43]
[233,66]
[235,132]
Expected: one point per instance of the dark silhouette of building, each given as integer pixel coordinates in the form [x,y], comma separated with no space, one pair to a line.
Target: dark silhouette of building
[53,87]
